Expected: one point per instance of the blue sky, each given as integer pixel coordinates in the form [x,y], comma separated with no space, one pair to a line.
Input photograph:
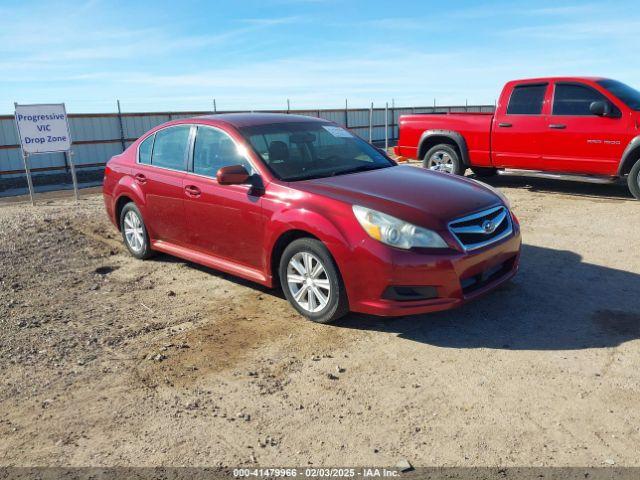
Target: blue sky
[254,54]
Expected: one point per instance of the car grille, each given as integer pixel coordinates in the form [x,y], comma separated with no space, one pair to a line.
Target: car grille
[483,228]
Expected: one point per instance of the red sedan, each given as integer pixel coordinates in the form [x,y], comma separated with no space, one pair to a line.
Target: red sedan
[301,202]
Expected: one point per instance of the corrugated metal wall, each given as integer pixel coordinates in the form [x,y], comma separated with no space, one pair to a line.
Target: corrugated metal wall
[97,137]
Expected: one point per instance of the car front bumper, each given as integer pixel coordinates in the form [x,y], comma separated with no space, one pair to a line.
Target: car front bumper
[456,277]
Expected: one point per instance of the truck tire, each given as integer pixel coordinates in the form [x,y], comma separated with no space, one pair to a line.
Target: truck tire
[634,180]
[443,158]
[484,172]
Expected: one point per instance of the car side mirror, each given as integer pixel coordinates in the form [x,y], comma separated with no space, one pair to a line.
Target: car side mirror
[232,175]
[600,108]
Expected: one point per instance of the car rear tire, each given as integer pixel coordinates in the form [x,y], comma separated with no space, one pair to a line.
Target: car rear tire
[634,180]
[484,172]
[443,158]
[311,281]
[134,232]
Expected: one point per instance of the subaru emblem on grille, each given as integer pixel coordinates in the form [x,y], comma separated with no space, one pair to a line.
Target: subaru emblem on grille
[488,226]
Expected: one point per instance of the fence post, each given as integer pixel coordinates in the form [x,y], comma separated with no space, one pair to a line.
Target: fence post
[346,113]
[121,127]
[386,126]
[394,124]
[371,123]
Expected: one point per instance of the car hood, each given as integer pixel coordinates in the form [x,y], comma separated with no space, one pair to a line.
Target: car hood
[416,195]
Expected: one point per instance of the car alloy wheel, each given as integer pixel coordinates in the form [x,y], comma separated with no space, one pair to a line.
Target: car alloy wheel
[308,282]
[441,161]
[134,231]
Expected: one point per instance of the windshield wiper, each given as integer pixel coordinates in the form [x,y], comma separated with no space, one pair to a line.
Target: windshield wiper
[361,168]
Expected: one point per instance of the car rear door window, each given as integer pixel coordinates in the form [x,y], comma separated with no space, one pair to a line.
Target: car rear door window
[573,99]
[527,100]
[213,150]
[170,147]
[144,150]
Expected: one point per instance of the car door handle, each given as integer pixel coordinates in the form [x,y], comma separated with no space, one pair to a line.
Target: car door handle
[558,126]
[505,125]
[140,178]
[192,191]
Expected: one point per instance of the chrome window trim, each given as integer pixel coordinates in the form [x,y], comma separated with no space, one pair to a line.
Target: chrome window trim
[483,213]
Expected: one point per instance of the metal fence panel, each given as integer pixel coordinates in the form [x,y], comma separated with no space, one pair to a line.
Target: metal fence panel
[97,137]
[8,132]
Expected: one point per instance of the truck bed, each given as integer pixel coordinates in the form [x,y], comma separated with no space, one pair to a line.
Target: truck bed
[475,127]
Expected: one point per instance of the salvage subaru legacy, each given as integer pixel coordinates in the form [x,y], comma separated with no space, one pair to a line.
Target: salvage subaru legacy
[304,203]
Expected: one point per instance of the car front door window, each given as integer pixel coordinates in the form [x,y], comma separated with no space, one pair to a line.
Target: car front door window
[214,149]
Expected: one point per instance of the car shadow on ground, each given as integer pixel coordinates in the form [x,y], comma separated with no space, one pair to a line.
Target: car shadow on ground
[611,191]
[556,302]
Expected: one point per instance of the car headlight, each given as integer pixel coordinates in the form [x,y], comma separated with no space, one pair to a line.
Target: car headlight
[395,232]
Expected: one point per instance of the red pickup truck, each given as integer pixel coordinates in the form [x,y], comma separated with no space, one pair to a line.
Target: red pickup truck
[579,126]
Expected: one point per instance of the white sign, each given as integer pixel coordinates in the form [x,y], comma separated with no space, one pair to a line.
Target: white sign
[43,128]
[337,131]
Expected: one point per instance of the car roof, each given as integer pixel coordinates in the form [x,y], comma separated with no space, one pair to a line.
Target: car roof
[251,119]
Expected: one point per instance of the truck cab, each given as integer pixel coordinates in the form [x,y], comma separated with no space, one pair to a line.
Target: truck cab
[561,125]
[578,126]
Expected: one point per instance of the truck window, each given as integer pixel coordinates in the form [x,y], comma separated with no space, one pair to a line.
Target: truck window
[572,99]
[527,100]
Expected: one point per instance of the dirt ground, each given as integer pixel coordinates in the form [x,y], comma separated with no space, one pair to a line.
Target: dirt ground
[110,361]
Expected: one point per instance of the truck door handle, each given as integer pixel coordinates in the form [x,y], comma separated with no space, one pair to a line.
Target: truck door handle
[192,191]
[505,125]
[558,126]
[140,178]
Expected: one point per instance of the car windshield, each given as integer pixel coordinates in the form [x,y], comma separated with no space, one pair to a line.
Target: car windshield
[304,150]
[630,96]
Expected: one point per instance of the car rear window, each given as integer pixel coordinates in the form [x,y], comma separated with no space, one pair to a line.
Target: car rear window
[527,100]
[170,147]
[144,150]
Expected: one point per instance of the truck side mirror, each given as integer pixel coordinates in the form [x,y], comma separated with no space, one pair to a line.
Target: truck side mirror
[600,108]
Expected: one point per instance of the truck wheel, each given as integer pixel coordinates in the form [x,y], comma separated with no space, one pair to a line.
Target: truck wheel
[634,180]
[484,172]
[443,158]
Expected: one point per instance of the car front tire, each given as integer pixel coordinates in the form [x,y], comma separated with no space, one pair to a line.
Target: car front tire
[311,281]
